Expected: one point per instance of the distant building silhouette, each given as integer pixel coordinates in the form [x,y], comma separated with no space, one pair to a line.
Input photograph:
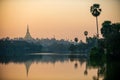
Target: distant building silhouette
[28,36]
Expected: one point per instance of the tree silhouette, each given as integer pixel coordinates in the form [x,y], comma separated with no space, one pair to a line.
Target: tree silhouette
[86,33]
[111,33]
[106,29]
[76,40]
[95,10]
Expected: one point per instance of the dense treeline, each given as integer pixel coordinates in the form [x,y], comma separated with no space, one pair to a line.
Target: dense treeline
[111,34]
[19,47]
[109,45]
[16,47]
[106,55]
[53,45]
[82,47]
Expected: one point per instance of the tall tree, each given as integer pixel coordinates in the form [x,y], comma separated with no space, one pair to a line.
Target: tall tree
[86,33]
[111,33]
[106,29]
[95,10]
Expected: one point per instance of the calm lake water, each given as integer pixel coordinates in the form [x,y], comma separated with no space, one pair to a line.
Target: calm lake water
[47,66]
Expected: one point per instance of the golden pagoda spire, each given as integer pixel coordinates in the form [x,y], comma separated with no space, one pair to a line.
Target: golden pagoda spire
[28,36]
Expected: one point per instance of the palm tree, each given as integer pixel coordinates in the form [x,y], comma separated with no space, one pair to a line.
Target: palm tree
[76,39]
[95,10]
[86,33]
[76,44]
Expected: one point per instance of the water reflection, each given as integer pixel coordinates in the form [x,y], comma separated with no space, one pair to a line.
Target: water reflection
[27,65]
[73,66]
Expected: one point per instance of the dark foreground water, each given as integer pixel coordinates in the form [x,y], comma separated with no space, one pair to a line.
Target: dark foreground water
[50,66]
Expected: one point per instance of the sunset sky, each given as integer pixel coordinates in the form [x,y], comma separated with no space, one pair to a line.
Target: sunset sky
[65,19]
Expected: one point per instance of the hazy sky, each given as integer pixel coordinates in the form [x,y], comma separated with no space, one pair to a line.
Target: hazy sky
[62,18]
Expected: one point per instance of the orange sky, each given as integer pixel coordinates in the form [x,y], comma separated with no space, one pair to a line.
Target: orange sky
[62,18]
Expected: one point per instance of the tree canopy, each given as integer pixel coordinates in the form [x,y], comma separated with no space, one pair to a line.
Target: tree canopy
[111,33]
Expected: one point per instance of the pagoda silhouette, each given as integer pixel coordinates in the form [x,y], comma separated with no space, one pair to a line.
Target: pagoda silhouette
[28,36]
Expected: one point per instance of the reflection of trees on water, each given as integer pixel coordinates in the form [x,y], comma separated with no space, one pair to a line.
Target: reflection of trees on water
[108,70]
[86,72]
[42,58]
[97,63]
[27,60]
[78,59]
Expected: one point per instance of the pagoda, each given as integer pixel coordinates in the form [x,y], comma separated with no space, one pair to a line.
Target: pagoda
[28,36]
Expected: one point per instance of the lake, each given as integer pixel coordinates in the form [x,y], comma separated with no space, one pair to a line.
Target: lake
[47,66]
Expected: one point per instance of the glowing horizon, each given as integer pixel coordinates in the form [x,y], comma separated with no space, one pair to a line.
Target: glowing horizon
[66,19]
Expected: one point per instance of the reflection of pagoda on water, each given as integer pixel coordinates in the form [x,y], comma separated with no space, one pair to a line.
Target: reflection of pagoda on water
[27,65]
[28,36]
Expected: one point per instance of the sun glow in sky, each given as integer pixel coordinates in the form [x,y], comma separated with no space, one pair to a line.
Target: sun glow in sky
[65,19]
